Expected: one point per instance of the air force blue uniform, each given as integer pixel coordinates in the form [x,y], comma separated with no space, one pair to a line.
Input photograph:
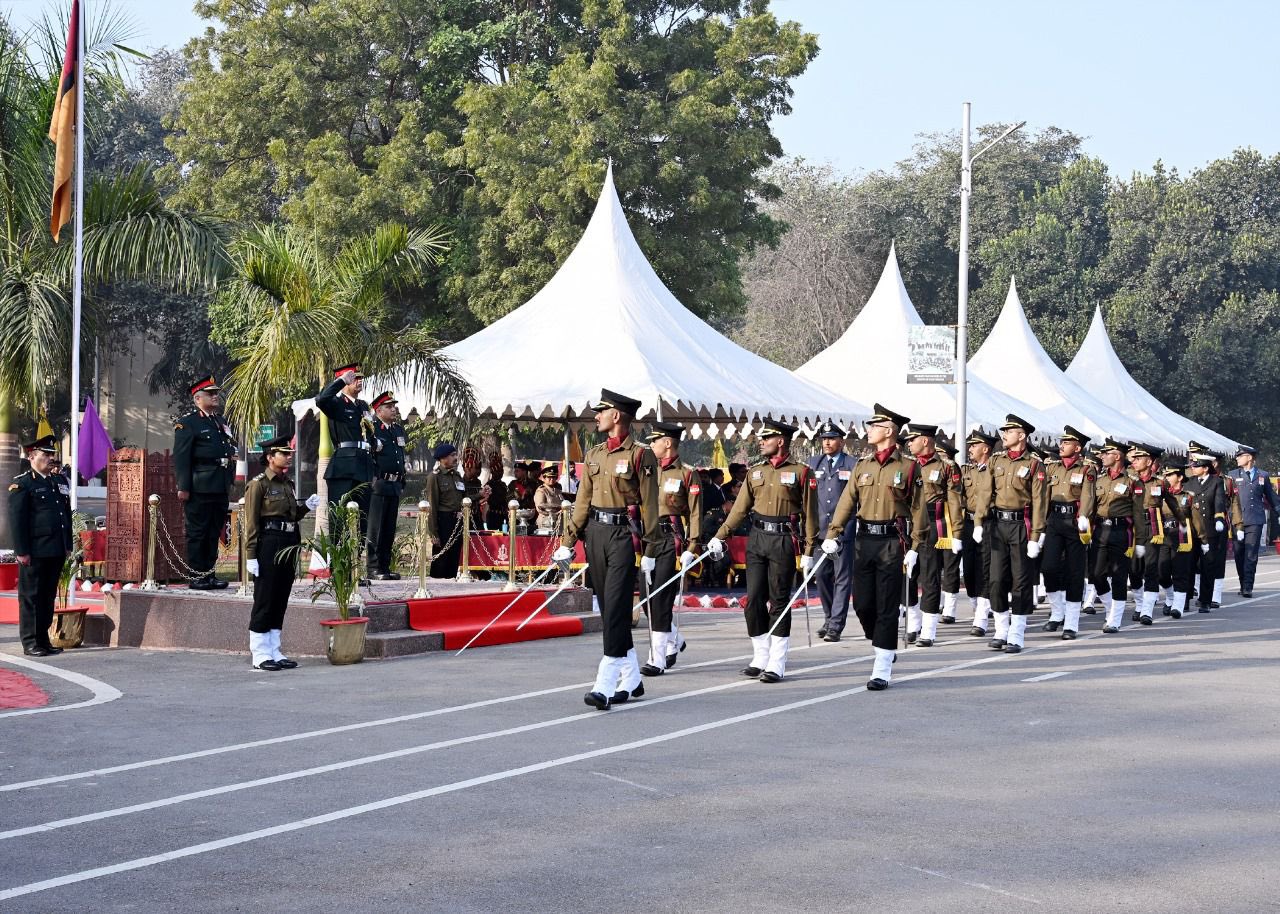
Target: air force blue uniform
[835,577]
[1256,496]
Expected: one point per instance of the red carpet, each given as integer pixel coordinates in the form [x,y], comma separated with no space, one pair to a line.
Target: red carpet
[461,617]
[9,606]
[18,691]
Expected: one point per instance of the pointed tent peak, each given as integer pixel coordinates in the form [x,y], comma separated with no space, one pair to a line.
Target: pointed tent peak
[890,296]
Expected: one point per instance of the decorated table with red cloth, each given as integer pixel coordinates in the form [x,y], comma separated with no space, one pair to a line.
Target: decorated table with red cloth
[492,552]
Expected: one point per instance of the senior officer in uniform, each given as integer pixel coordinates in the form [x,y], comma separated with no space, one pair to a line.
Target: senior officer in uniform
[881,498]
[832,470]
[779,494]
[40,524]
[444,495]
[389,440]
[938,530]
[271,531]
[1072,493]
[1119,531]
[1021,500]
[679,532]
[975,477]
[1210,506]
[204,455]
[1255,496]
[616,512]
[350,468]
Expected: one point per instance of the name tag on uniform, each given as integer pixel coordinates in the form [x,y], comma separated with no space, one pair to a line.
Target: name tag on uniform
[819,473]
[1155,490]
[671,485]
[1077,479]
[1024,472]
[620,467]
[1121,488]
[458,484]
[787,479]
[400,441]
[757,475]
[934,476]
[843,475]
[64,490]
[864,479]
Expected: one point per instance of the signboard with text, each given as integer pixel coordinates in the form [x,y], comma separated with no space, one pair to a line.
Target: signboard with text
[931,355]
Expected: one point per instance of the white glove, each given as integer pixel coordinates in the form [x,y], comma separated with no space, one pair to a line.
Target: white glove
[563,554]
[251,565]
[1033,548]
[1218,525]
[1240,536]
[830,546]
[1204,547]
[1139,551]
[715,547]
[647,564]
[910,560]
[687,558]
[806,562]
[313,501]
[977,534]
[957,545]
[1082,524]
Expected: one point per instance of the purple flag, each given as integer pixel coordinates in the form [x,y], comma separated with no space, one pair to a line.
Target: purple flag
[95,443]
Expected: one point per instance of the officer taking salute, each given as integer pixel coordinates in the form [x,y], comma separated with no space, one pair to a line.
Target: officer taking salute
[204,455]
[1255,497]
[779,495]
[40,523]
[832,470]
[351,429]
[1072,494]
[1021,500]
[389,440]
[616,512]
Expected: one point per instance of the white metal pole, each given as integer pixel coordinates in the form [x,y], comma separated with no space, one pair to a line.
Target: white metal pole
[962,286]
[77,289]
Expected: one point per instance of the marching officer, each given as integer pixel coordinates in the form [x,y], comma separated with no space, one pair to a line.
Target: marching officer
[1021,500]
[616,512]
[1157,508]
[1120,531]
[204,462]
[975,477]
[351,426]
[1184,544]
[880,497]
[389,440]
[780,495]
[832,470]
[951,567]
[1071,484]
[939,529]
[679,532]
[1255,497]
[1210,506]
[40,523]
[271,533]
[444,494]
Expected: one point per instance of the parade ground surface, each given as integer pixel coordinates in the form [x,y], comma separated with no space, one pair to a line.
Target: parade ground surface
[1127,772]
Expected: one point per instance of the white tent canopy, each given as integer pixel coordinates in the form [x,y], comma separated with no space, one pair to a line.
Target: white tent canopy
[606,320]
[1012,358]
[870,358]
[1099,370]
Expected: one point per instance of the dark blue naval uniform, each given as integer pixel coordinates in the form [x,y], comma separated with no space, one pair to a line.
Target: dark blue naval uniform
[1256,497]
[40,523]
[835,577]
[388,483]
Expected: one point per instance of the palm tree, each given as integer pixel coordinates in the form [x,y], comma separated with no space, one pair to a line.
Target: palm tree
[129,233]
[291,308]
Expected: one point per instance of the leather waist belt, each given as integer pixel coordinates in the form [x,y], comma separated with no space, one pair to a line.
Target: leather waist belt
[283,526]
[610,518]
[359,445]
[213,461]
[870,529]
[390,477]
[670,521]
[1002,514]
[1061,507]
[1116,521]
[770,526]
[969,515]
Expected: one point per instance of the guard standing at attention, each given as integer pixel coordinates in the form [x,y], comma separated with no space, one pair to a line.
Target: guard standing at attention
[880,497]
[616,512]
[679,533]
[780,495]
[204,462]
[351,428]
[975,476]
[1021,500]
[1071,484]
[1255,497]
[40,524]
[938,530]
[389,440]
[444,494]
[832,469]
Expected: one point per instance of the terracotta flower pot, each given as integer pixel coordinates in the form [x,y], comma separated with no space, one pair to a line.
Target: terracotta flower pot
[346,639]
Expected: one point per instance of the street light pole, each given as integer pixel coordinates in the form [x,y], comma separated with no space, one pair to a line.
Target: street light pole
[962,284]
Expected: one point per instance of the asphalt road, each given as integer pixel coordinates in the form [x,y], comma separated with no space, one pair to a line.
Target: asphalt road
[1126,772]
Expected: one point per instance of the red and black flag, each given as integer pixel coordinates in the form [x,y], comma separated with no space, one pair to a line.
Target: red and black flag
[62,129]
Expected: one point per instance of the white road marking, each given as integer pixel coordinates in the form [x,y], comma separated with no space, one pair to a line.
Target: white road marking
[610,777]
[101,692]
[1047,676]
[972,885]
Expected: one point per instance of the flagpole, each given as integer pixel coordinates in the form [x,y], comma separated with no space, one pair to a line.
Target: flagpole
[77,288]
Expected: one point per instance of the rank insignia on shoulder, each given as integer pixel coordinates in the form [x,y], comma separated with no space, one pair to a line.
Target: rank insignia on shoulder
[813,482]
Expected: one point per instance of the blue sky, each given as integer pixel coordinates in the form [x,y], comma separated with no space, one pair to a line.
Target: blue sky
[1185,82]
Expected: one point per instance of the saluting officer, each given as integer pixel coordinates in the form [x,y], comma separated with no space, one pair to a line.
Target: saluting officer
[780,497]
[389,440]
[40,523]
[939,529]
[975,476]
[1071,484]
[880,497]
[1021,500]
[350,468]
[1210,504]
[832,469]
[1255,497]
[444,494]
[616,512]
[271,530]
[1120,531]
[204,455]
[679,533]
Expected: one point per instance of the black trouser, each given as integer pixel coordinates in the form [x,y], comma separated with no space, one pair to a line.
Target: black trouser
[1184,566]
[612,578]
[951,570]
[341,491]
[977,562]
[926,577]
[1064,557]
[1157,563]
[445,564]
[37,591]
[1091,565]
[274,583]
[1209,562]
[1137,570]
[384,511]
[1112,569]
[1011,569]
[660,607]
[771,573]
[835,587]
[877,586]
[206,517]
[1247,556]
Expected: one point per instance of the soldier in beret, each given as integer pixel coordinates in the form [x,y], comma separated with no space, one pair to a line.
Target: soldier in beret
[40,523]
[204,462]
[444,495]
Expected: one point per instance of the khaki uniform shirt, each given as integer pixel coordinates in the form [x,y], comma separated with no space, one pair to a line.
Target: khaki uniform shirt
[939,484]
[623,477]
[547,500]
[975,479]
[1073,484]
[267,496]
[445,490]
[1020,483]
[878,493]
[788,490]
[680,495]
[1122,496]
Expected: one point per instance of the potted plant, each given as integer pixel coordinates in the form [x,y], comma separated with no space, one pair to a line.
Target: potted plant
[344,556]
[68,622]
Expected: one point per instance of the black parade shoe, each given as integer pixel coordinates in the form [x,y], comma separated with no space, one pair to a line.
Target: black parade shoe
[597,700]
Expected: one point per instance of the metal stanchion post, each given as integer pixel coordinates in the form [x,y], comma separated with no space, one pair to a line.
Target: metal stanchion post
[352,528]
[565,507]
[511,544]
[153,510]
[246,581]
[464,568]
[424,551]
